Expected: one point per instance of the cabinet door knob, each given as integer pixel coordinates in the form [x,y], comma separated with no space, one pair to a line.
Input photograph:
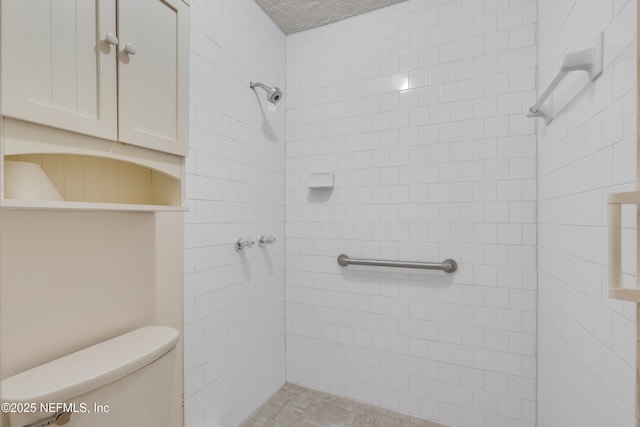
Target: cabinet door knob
[130,48]
[111,39]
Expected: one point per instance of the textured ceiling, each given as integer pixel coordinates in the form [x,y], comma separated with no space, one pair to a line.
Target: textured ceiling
[299,15]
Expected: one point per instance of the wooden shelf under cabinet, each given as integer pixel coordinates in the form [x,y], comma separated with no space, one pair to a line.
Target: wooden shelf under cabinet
[95,183]
[92,173]
[85,206]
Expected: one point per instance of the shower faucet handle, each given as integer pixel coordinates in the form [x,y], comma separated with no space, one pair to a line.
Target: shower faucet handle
[266,240]
[241,243]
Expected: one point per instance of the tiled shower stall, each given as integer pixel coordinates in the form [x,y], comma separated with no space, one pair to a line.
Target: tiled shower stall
[419,109]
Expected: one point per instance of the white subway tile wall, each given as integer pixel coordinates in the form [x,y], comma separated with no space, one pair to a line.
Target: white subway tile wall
[419,108]
[234,301]
[586,341]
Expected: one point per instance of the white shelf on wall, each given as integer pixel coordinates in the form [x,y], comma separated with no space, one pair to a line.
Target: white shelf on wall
[85,206]
[89,174]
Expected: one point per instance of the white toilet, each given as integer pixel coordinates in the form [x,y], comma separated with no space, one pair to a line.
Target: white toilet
[125,381]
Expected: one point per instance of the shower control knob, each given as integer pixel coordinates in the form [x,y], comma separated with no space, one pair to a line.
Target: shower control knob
[130,48]
[266,240]
[111,39]
[241,243]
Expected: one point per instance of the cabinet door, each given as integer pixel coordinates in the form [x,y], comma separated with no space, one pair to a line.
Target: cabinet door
[57,67]
[152,74]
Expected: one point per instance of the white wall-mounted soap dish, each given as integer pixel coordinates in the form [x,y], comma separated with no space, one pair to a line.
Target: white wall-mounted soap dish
[321,180]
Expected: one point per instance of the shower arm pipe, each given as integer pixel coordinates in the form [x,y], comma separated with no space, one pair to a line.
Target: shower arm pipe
[448,265]
[274,94]
[263,86]
[589,60]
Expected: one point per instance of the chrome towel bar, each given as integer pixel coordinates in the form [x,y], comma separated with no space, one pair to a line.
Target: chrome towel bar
[589,60]
[448,265]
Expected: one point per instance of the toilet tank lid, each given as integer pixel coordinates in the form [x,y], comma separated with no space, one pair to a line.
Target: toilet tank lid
[86,370]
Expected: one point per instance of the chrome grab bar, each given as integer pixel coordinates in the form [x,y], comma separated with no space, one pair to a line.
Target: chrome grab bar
[448,265]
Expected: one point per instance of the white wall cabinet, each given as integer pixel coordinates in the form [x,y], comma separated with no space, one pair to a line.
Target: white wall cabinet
[152,83]
[55,68]
[96,93]
[111,69]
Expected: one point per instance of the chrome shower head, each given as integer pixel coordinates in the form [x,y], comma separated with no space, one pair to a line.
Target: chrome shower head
[274,94]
